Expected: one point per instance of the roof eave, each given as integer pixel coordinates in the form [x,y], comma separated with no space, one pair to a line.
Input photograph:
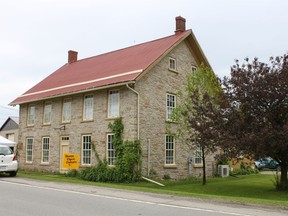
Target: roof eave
[163,55]
[73,93]
[199,52]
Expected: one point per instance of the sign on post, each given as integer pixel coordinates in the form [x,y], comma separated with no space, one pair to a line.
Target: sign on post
[70,161]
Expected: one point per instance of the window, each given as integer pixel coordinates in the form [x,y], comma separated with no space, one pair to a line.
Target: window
[170,106]
[86,149]
[66,110]
[47,113]
[113,104]
[198,156]
[31,115]
[193,69]
[29,150]
[45,149]
[65,138]
[169,150]
[88,107]
[172,64]
[111,157]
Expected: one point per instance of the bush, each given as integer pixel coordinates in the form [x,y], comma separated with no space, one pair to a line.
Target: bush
[244,171]
[166,177]
[128,160]
[103,173]
[72,173]
[276,182]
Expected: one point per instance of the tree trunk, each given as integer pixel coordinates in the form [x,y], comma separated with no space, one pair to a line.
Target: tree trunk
[204,166]
[283,179]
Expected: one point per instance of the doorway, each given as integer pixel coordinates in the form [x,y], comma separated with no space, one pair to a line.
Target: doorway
[64,148]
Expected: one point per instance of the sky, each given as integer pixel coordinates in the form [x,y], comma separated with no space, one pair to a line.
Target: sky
[36,35]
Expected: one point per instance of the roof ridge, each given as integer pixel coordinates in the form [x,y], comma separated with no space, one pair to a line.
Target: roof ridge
[120,65]
[128,47]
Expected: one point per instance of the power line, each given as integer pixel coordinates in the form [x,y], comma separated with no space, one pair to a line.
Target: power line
[9,108]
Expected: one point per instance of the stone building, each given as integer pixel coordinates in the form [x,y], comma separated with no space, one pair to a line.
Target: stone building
[71,108]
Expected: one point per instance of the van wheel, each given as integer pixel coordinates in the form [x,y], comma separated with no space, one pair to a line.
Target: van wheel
[13,173]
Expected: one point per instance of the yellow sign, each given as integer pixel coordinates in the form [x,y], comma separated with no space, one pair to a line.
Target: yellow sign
[70,161]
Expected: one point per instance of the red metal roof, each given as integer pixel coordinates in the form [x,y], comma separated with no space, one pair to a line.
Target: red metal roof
[120,66]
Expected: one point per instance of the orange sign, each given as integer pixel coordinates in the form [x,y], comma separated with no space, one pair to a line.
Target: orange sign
[70,161]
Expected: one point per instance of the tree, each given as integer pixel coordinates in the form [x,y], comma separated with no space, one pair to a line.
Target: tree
[257,118]
[198,112]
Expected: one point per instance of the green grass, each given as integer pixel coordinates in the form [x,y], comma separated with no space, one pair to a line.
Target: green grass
[252,189]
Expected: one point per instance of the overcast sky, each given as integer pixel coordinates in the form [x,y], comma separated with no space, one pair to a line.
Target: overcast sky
[36,35]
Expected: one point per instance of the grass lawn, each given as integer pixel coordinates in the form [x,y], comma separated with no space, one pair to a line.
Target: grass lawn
[256,189]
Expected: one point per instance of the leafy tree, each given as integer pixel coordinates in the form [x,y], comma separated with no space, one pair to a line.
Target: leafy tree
[198,112]
[257,119]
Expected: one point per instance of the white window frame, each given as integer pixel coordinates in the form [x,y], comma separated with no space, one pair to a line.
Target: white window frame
[88,107]
[29,150]
[111,154]
[169,150]
[193,69]
[172,64]
[113,103]
[66,110]
[45,150]
[31,114]
[198,156]
[86,146]
[170,106]
[47,113]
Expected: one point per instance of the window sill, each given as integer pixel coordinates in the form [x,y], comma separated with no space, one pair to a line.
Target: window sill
[28,163]
[87,121]
[46,124]
[111,166]
[170,121]
[112,118]
[174,71]
[198,165]
[85,165]
[64,123]
[170,166]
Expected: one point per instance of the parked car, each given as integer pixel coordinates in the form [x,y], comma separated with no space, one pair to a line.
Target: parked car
[8,161]
[270,163]
[267,162]
[259,164]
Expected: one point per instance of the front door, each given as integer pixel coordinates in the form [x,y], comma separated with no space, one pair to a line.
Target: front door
[64,148]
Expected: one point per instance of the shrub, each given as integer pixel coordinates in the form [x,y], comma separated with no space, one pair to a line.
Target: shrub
[166,177]
[128,160]
[72,173]
[244,171]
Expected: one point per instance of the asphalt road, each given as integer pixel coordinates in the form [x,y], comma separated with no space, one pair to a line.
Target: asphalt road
[39,198]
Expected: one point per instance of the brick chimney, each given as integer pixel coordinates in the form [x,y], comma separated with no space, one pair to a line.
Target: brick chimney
[72,56]
[180,24]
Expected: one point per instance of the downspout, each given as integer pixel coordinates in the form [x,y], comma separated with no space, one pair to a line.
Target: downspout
[148,159]
[138,110]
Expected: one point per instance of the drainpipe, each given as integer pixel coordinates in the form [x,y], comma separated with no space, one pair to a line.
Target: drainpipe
[138,110]
[148,159]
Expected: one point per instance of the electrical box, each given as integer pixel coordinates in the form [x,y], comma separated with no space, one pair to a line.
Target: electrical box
[223,170]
